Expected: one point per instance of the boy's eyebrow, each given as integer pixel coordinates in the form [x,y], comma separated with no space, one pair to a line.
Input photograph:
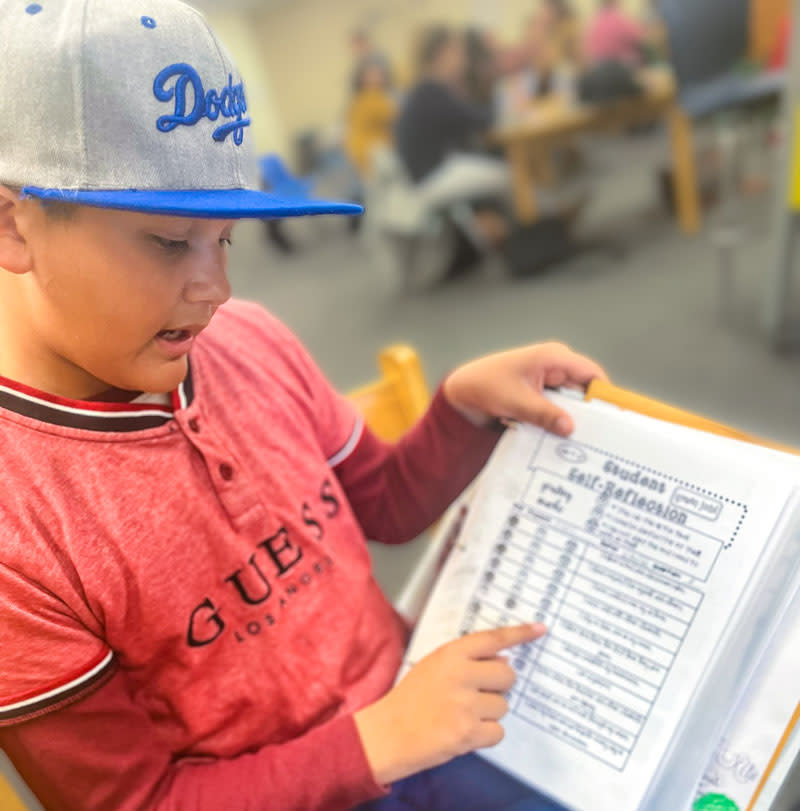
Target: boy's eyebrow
[171,226]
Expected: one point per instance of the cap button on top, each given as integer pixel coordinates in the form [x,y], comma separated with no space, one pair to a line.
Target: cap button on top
[226,471]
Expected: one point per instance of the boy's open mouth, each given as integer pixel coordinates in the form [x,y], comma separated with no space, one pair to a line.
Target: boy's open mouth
[177,341]
[174,335]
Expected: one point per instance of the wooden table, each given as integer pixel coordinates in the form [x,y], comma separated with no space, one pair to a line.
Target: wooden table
[556,119]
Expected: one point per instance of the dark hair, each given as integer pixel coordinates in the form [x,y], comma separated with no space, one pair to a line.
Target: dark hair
[433,42]
[53,209]
[59,210]
[480,66]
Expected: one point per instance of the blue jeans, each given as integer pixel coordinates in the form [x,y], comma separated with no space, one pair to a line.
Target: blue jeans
[468,783]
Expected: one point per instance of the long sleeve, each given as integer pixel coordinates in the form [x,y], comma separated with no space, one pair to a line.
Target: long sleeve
[103,752]
[396,491]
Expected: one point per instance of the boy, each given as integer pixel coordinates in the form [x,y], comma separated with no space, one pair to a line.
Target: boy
[187,615]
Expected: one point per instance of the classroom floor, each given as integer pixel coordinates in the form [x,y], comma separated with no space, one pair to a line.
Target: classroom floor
[651,316]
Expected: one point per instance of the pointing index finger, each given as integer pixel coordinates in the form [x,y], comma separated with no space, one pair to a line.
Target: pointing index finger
[486,644]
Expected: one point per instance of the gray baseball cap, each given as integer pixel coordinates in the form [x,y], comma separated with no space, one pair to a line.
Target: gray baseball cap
[130,104]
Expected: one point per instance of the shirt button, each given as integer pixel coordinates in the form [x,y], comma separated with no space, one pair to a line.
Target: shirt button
[226,471]
[194,425]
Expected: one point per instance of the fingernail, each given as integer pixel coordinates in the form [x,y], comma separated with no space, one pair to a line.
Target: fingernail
[563,425]
[538,628]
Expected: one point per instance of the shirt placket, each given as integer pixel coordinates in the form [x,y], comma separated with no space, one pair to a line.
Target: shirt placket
[232,482]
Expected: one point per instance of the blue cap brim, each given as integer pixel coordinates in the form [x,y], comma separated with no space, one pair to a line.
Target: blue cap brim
[218,204]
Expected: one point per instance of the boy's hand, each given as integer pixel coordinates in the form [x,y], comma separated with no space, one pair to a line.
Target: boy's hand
[450,703]
[510,384]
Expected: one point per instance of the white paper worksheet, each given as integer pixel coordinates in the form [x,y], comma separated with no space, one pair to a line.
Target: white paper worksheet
[636,548]
[750,741]
[759,721]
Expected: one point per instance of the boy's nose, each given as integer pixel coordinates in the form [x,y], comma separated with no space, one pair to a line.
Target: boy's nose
[209,283]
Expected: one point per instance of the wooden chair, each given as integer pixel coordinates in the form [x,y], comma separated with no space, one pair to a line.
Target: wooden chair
[10,797]
[707,41]
[392,404]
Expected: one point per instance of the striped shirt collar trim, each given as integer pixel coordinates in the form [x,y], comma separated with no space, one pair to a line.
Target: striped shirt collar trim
[92,415]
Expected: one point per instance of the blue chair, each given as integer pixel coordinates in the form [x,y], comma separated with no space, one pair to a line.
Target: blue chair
[708,42]
[276,177]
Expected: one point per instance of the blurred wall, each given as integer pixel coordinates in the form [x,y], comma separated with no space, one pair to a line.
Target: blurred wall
[305,45]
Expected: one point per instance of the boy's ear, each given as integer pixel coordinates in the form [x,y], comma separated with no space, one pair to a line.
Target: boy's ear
[15,253]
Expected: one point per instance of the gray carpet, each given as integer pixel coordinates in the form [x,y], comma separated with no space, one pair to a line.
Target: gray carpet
[651,317]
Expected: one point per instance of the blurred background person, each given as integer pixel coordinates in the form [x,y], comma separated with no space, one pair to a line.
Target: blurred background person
[612,35]
[484,65]
[442,138]
[365,55]
[545,62]
[370,117]
[438,121]
[440,135]
[553,36]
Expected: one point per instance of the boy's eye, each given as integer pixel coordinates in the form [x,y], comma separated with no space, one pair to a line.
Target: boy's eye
[172,245]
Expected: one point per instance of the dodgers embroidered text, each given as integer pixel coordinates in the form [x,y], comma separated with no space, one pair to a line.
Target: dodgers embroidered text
[229,102]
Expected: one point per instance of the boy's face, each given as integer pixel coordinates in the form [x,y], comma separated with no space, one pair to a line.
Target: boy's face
[111,299]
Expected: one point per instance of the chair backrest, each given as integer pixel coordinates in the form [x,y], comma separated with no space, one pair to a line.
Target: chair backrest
[707,38]
[392,404]
[11,798]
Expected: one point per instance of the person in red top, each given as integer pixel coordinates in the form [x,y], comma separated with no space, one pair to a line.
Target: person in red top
[614,36]
[188,618]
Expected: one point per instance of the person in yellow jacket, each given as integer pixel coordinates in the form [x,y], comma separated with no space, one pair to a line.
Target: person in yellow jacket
[371,116]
